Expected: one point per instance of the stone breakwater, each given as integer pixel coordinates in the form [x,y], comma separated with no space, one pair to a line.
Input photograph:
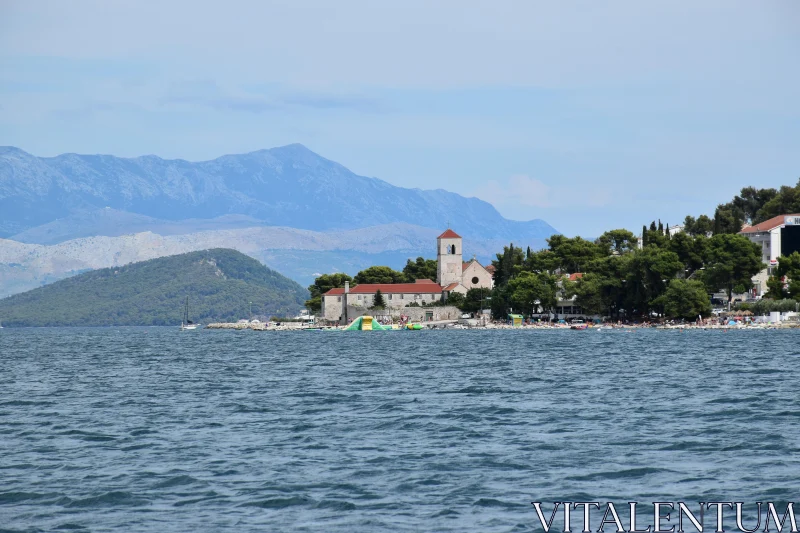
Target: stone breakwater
[296,326]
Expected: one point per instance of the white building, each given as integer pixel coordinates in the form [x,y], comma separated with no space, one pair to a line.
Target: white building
[776,237]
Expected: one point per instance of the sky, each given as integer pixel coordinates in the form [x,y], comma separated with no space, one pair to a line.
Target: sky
[589,115]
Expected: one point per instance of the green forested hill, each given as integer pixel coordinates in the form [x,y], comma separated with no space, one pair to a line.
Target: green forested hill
[220,284]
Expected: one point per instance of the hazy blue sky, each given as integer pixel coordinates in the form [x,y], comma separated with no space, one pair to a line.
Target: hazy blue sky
[590,115]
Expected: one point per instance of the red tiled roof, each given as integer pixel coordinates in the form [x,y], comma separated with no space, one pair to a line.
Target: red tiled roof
[387,288]
[334,292]
[449,234]
[490,269]
[767,225]
[576,276]
[424,281]
[390,288]
[451,287]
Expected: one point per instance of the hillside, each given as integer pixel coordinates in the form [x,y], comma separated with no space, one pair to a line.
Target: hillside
[298,254]
[289,186]
[219,282]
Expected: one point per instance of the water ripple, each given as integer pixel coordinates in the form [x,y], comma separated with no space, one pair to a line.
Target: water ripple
[156,430]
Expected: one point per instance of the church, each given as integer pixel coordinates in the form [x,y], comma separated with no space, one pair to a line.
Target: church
[453,274]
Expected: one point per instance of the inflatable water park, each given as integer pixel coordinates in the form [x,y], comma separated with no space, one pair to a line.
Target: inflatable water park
[368,323]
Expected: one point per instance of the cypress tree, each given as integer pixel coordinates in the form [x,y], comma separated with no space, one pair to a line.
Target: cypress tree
[378,303]
[644,235]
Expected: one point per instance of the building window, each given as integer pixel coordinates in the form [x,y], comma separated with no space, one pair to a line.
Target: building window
[338,298]
[475,280]
[359,296]
[390,296]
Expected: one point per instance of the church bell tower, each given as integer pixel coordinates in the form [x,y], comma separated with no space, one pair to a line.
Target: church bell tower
[448,258]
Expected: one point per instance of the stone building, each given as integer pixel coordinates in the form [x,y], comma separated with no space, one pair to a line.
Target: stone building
[455,275]
[452,273]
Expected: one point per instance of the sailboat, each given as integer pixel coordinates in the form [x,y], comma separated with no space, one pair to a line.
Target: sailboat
[186,323]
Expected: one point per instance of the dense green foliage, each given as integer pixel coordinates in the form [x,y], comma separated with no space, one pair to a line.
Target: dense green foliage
[220,284]
[685,299]
[618,277]
[750,206]
[321,285]
[731,261]
[421,268]
[767,305]
[379,274]
[785,281]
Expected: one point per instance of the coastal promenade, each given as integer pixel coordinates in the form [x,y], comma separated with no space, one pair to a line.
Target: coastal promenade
[453,325]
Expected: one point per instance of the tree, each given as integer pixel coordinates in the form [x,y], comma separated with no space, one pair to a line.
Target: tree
[500,301]
[476,299]
[541,261]
[691,250]
[776,288]
[646,274]
[789,267]
[378,302]
[702,226]
[456,299]
[686,299]
[574,254]
[421,268]
[732,261]
[728,219]
[751,200]
[379,274]
[589,292]
[528,288]
[321,285]
[618,241]
[785,201]
[506,264]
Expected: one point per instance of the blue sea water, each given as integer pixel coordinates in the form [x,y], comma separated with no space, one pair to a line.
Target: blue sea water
[152,429]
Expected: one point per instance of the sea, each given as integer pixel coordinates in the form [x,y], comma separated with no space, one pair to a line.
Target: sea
[158,430]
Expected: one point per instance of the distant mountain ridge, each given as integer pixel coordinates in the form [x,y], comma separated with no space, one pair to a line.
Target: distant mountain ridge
[286,186]
[299,254]
[288,207]
[221,284]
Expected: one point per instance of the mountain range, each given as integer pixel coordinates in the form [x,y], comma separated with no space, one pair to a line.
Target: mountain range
[289,207]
